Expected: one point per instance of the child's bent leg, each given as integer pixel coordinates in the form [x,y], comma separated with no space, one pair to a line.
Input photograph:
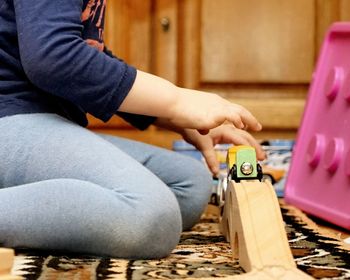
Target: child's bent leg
[41,147]
[188,178]
[78,216]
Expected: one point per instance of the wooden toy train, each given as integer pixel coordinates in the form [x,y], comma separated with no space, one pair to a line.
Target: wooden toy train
[242,164]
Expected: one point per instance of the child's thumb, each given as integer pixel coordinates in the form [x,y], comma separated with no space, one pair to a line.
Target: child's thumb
[211,160]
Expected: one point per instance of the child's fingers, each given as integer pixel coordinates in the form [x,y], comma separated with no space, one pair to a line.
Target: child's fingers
[260,153]
[239,139]
[250,121]
[242,137]
[242,118]
[236,119]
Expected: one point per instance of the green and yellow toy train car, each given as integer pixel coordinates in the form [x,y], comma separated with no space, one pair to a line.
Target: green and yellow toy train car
[242,164]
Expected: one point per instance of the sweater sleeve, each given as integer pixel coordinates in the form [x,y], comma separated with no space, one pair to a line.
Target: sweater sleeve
[57,60]
[141,122]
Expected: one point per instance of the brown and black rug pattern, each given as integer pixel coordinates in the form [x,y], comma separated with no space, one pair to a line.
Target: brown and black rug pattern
[202,252]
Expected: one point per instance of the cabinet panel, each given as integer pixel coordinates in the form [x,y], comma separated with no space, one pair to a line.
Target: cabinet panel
[345,10]
[257,40]
[128,31]
[165,39]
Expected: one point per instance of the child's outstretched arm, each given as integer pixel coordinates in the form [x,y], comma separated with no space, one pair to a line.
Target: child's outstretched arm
[184,108]
[203,119]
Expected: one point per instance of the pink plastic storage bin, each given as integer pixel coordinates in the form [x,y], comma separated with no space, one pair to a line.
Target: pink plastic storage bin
[319,177]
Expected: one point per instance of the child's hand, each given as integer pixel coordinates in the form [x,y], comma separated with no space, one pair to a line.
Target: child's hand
[204,111]
[224,134]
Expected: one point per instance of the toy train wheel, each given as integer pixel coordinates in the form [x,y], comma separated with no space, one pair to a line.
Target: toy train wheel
[260,172]
[233,173]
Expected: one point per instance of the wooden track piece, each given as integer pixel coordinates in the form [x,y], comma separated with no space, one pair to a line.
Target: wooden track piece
[6,261]
[252,223]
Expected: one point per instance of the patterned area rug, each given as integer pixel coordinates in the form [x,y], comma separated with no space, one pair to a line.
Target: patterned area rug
[202,252]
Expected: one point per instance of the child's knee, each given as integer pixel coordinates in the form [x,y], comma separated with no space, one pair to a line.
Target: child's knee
[147,234]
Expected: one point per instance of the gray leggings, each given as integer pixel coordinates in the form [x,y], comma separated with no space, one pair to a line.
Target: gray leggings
[64,187]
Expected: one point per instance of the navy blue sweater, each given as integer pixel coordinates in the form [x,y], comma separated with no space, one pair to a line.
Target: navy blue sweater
[52,59]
